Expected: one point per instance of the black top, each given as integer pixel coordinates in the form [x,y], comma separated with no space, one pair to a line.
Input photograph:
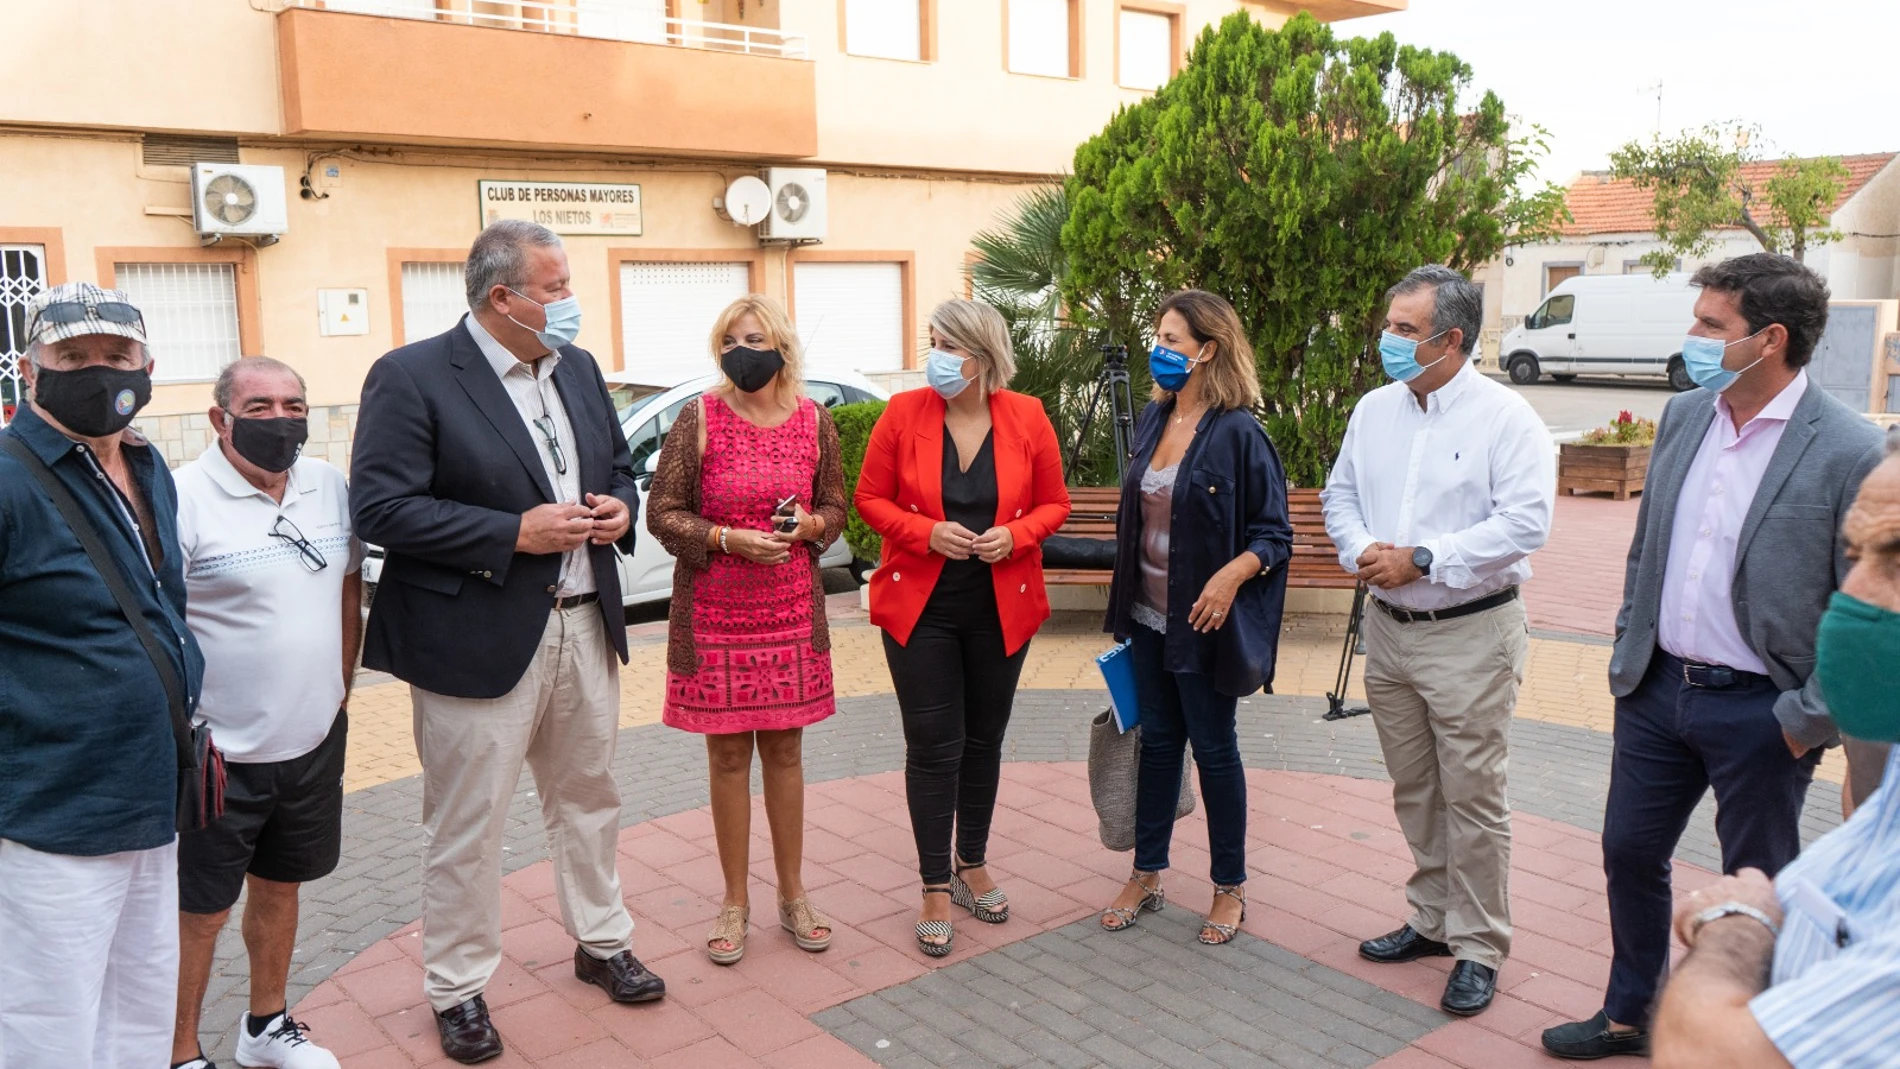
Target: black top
[969,498]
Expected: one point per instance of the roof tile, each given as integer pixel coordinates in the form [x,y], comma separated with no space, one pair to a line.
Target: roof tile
[1600,204]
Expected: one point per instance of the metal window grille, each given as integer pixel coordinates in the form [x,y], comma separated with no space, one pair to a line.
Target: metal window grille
[851,315]
[22,275]
[191,316]
[433,299]
[666,312]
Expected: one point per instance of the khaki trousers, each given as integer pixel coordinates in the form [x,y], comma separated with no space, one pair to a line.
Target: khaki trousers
[562,718]
[1442,694]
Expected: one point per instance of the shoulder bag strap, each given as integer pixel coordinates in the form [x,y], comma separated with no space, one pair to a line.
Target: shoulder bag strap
[114,578]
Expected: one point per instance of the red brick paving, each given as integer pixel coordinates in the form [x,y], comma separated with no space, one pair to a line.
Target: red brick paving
[1329,862]
[1577,585]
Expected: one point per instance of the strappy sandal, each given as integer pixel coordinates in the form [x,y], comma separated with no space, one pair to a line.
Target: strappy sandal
[928,930]
[1152,899]
[984,906]
[1226,931]
[799,918]
[730,927]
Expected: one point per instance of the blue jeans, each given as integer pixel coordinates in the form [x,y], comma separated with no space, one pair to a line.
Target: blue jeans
[1178,708]
[1672,743]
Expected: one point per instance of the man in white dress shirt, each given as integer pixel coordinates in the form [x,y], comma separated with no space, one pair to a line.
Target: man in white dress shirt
[1443,489]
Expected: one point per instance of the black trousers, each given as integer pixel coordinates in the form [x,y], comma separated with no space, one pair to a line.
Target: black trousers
[1673,742]
[955,687]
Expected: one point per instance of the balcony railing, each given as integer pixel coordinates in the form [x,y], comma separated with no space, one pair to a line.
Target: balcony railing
[638,21]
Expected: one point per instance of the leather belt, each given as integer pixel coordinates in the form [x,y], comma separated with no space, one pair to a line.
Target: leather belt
[578,599]
[1413,616]
[1718,676]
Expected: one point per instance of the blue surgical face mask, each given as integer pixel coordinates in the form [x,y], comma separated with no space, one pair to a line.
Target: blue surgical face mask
[944,372]
[1171,369]
[1400,355]
[564,320]
[1702,358]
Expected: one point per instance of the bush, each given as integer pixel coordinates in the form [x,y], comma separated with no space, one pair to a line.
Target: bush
[1625,429]
[854,434]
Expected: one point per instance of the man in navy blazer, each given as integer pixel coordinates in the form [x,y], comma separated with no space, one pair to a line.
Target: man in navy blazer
[490,466]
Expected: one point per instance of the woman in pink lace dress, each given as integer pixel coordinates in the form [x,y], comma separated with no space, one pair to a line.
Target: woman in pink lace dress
[748,492]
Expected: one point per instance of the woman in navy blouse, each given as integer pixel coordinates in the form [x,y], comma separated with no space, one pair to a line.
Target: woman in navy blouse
[1202,542]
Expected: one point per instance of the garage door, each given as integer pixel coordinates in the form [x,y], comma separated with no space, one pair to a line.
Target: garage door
[851,315]
[666,312]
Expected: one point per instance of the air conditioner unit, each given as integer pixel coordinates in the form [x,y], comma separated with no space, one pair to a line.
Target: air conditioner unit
[238,201]
[798,210]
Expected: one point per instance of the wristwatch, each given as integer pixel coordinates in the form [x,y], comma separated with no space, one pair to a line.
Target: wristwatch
[1733,909]
[1422,560]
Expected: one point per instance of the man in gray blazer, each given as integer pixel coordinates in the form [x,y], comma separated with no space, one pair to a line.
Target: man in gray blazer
[1737,550]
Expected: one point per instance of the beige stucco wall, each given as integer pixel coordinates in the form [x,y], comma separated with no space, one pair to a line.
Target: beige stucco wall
[95,193]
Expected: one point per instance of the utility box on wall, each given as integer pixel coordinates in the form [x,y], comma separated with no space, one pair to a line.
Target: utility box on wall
[1851,360]
[342,312]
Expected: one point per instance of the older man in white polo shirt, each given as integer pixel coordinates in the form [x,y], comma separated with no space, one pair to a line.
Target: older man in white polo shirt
[274,597]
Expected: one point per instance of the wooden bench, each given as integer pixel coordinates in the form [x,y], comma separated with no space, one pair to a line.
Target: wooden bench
[1315,563]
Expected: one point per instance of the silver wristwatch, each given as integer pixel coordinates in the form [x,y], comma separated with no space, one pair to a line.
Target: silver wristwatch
[1733,909]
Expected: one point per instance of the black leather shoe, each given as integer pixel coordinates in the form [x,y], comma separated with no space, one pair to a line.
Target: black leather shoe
[468,1036]
[1470,988]
[1402,945]
[1592,1039]
[621,976]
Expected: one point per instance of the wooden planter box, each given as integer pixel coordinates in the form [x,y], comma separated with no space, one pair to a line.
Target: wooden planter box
[1617,470]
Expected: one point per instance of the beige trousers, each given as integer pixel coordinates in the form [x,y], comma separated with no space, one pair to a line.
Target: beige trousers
[562,718]
[1441,697]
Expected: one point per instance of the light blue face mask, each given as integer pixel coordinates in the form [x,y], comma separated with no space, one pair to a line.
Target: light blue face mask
[564,320]
[944,372]
[1702,358]
[1400,355]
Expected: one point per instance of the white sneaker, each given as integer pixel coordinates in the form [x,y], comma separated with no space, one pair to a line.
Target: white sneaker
[282,1046]
[200,1062]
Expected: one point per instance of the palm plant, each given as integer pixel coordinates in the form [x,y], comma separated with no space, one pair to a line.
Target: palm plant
[1019,268]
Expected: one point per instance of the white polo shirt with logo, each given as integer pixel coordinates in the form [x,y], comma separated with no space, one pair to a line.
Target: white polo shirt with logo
[271,628]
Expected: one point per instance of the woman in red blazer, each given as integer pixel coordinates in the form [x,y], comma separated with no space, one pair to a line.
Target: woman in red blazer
[963,480]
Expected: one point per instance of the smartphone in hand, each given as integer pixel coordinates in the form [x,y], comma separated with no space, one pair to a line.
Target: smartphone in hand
[785,516]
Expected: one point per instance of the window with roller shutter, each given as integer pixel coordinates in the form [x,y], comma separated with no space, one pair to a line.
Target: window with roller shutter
[667,312]
[850,315]
[191,316]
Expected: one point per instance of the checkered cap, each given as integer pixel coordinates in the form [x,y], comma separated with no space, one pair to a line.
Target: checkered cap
[89,295]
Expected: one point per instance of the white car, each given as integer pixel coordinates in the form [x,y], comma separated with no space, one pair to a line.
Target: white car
[647,412]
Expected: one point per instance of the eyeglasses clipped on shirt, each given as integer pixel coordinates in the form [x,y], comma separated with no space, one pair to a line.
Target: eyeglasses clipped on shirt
[545,424]
[311,557]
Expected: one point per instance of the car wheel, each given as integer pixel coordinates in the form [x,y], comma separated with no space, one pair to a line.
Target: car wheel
[1563,378]
[1679,379]
[1523,369]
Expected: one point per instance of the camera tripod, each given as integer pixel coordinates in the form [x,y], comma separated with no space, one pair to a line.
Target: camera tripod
[1336,707]
[1111,382]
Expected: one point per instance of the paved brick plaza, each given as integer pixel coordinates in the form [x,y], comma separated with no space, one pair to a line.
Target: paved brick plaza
[1047,988]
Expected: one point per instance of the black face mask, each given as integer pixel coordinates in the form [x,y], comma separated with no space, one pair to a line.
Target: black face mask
[751,369]
[93,402]
[271,444]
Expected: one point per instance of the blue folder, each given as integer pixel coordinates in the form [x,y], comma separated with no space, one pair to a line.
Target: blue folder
[1118,671]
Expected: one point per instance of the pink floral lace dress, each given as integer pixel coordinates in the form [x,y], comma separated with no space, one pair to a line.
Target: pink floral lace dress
[752,625]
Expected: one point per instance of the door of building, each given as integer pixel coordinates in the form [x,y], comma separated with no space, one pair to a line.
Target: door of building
[22,275]
[667,312]
[1558,273]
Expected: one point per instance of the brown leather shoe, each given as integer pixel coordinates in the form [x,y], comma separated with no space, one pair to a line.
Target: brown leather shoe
[621,976]
[468,1036]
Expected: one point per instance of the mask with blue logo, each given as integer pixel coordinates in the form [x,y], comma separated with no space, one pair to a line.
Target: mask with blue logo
[1400,355]
[944,372]
[564,320]
[1702,358]
[1170,368]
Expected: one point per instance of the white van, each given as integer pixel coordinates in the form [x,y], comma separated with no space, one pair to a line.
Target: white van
[1605,325]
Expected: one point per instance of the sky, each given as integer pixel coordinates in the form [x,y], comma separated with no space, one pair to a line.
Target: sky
[1818,76]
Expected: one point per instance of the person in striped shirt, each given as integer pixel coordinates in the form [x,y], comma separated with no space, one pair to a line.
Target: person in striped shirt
[1804,970]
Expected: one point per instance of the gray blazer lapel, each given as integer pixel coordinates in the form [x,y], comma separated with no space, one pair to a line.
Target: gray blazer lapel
[1795,439]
